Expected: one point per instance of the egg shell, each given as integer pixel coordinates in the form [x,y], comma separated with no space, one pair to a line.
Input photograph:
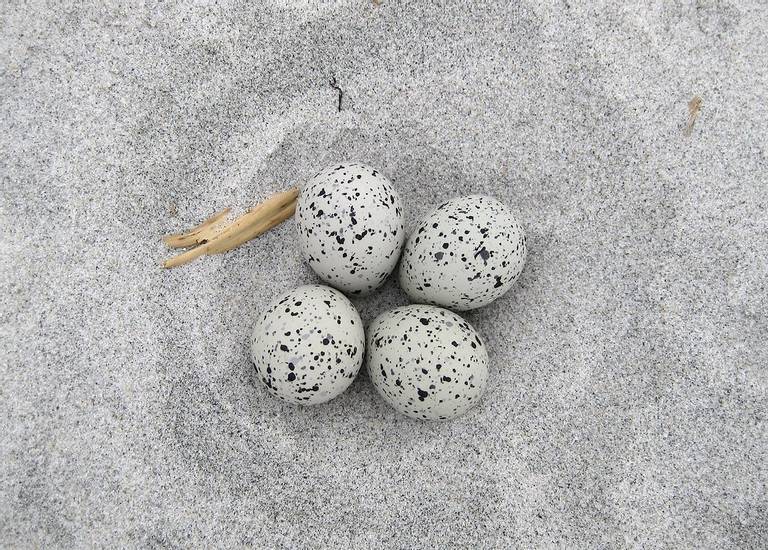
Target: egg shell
[308,345]
[350,222]
[464,254]
[427,362]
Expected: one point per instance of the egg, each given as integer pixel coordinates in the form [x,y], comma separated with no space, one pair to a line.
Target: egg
[308,345]
[350,222]
[427,362]
[464,254]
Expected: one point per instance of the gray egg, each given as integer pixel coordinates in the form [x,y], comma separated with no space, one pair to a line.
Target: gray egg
[308,345]
[464,254]
[350,223]
[427,362]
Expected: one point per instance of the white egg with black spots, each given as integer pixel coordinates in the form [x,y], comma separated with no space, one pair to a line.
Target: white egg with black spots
[463,255]
[350,222]
[308,345]
[427,362]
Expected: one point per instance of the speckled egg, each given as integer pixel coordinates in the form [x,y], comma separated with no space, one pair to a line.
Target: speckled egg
[463,255]
[427,362]
[350,223]
[308,345]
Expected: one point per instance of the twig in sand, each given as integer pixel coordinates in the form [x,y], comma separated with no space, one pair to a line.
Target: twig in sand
[200,234]
[216,236]
[694,108]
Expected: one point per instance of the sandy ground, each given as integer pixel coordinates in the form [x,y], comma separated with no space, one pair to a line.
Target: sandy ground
[627,402]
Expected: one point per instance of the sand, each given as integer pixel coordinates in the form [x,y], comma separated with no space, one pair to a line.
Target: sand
[628,396]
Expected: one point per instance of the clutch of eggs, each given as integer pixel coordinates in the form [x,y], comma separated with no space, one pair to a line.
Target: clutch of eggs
[308,345]
[464,254]
[350,222]
[425,361]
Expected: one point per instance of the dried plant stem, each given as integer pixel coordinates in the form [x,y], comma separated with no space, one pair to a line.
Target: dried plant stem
[197,235]
[232,235]
[213,236]
[185,257]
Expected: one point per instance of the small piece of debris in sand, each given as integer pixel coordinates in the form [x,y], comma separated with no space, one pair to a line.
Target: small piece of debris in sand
[376,3]
[172,210]
[694,108]
[336,87]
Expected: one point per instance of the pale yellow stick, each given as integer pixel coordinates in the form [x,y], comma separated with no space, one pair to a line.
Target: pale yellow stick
[255,215]
[215,247]
[185,257]
[232,236]
[254,231]
[197,234]
[257,221]
[198,237]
